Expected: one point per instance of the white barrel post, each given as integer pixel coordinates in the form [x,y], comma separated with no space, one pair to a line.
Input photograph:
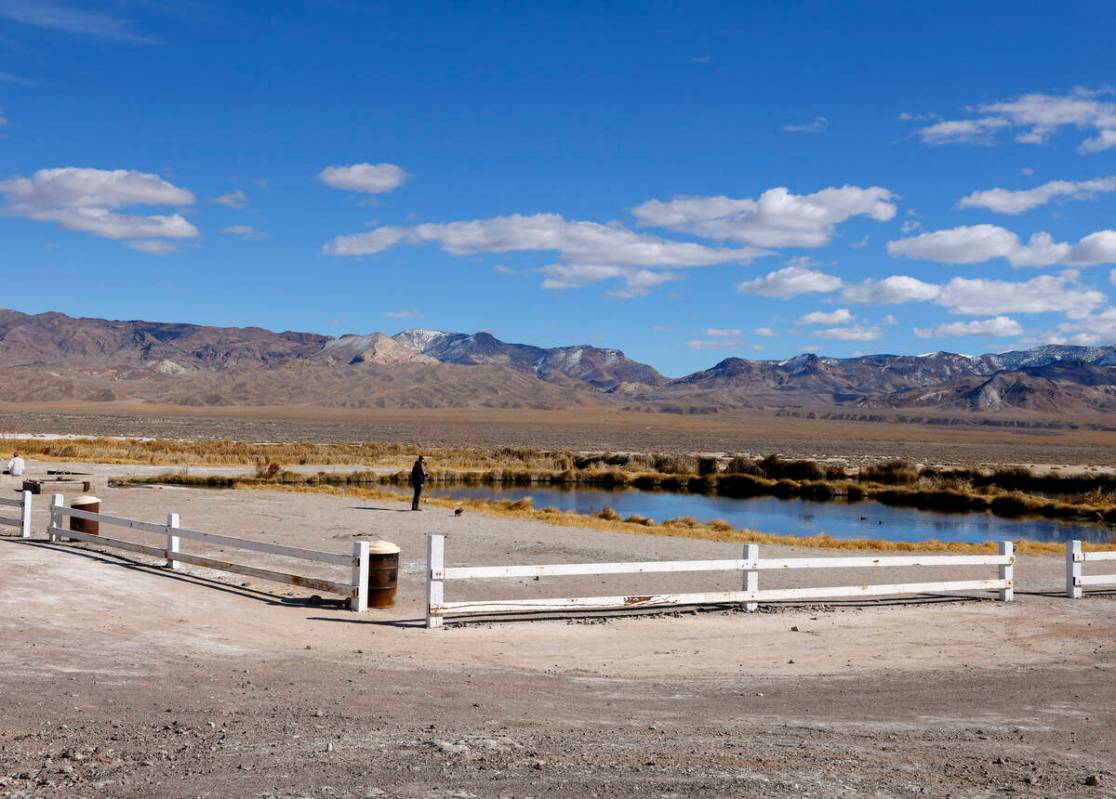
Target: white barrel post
[25,516]
[1007,571]
[751,577]
[359,600]
[435,574]
[1074,559]
[57,502]
[173,542]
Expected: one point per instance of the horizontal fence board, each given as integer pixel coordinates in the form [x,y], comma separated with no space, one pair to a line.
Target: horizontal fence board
[570,569]
[11,503]
[847,591]
[489,607]
[212,538]
[1096,579]
[11,522]
[113,521]
[344,589]
[1091,557]
[142,549]
[263,546]
[594,602]
[770,564]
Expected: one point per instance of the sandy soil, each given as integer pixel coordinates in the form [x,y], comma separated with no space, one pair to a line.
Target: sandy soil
[979,439]
[121,679]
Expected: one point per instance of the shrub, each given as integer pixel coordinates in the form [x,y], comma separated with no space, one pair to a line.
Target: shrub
[608,514]
[775,468]
[896,472]
[708,466]
[635,518]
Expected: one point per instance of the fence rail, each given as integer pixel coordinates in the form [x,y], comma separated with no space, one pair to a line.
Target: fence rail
[1076,579]
[749,595]
[23,520]
[356,589]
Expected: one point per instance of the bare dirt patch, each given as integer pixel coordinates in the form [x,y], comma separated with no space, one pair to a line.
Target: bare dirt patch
[120,679]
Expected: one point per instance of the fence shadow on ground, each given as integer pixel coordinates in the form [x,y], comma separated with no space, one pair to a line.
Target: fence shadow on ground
[124,562]
[605,616]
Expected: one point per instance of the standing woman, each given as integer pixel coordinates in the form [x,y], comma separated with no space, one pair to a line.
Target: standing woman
[418,480]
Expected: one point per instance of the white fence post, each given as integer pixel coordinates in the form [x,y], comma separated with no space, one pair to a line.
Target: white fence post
[435,574]
[1007,571]
[359,600]
[1073,569]
[57,501]
[25,516]
[173,542]
[751,578]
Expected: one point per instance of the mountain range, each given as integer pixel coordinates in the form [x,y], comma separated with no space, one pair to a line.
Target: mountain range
[52,357]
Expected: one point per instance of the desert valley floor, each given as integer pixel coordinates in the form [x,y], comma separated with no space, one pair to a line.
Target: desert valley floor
[123,680]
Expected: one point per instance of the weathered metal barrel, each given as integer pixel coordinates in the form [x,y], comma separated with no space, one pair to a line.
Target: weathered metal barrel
[90,504]
[383,573]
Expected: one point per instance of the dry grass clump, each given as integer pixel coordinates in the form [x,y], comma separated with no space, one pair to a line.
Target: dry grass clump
[897,472]
[608,514]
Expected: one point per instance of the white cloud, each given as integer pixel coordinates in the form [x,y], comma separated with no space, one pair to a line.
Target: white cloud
[86,199]
[789,282]
[766,332]
[840,316]
[1044,294]
[999,327]
[1004,201]
[52,15]
[589,252]
[504,269]
[889,320]
[816,125]
[976,243]
[368,178]
[242,230]
[777,219]
[3,119]
[854,333]
[1034,118]
[154,246]
[723,332]
[233,199]
[1098,328]
[401,314]
[717,344]
[891,290]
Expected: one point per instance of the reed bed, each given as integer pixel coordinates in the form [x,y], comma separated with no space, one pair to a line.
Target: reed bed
[1004,491]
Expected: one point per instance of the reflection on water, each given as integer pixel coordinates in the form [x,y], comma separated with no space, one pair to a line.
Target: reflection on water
[797,516]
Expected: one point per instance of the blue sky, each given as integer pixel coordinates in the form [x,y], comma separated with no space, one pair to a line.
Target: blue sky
[685,181]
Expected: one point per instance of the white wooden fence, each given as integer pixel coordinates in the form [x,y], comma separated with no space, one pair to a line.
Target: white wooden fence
[172,534]
[23,520]
[749,594]
[1076,579]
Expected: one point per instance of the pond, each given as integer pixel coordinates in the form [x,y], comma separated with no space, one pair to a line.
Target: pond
[799,517]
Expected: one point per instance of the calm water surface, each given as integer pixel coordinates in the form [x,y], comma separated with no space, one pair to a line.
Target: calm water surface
[796,516]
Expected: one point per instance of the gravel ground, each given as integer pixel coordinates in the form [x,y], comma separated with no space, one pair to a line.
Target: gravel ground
[120,679]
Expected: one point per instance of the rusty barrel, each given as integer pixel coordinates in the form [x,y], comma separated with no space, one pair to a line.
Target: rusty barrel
[90,504]
[383,573]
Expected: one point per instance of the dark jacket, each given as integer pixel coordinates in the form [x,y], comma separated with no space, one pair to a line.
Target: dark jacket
[418,475]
